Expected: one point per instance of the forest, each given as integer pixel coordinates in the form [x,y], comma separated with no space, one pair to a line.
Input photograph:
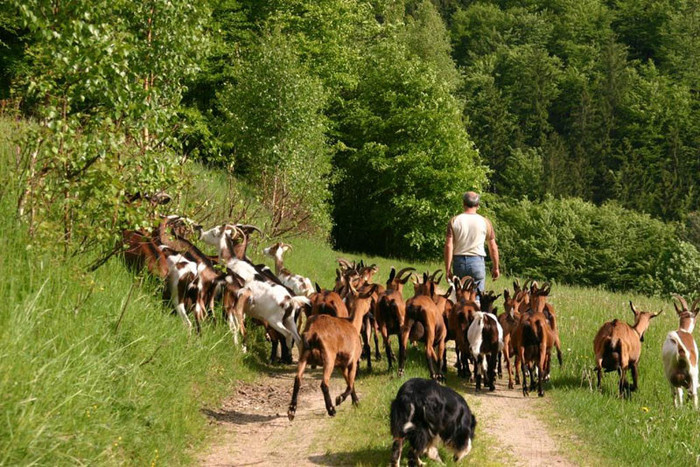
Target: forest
[364,122]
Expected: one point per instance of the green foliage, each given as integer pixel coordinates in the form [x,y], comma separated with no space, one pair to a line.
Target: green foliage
[276,123]
[575,242]
[104,82]
[590,85]
[95,370]
[405,156]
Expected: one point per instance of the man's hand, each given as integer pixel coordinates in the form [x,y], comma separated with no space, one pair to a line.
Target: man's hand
[495,273]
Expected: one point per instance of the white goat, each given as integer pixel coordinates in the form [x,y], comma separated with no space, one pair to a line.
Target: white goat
[274,305]
[680,354]
[299,284]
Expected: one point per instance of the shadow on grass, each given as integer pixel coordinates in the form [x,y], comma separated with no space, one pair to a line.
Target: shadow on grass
[236,417]
[368,456]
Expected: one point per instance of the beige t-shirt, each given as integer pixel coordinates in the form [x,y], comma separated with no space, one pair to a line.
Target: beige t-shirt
[469,231]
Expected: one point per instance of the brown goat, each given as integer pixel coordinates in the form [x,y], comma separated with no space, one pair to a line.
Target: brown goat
[533,340]
[538,302]
[509,321]
[459,320]
[421,310]
[333,342]
[391,310]
[618,346]
[327,302]
[142,250]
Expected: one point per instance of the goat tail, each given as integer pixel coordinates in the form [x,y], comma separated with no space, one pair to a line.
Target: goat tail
[612,353]
[307,340]
[402,411]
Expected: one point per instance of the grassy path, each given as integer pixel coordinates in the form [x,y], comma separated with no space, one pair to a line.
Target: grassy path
[514,421]
[254,429]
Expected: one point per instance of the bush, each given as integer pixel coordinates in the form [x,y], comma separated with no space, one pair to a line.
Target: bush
[576,242]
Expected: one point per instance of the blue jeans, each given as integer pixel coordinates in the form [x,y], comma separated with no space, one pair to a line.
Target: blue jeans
[474,266]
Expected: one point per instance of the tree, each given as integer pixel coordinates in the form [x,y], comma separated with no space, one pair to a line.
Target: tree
[104,80]
[275,121]
[405,156]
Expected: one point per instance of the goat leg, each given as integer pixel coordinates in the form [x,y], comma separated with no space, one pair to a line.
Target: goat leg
[341,398]
[633,368]
[375,332]
[500,367]
[387,346]
[493,360]
[297,384]
[328,365]
[403,340]
[477,372]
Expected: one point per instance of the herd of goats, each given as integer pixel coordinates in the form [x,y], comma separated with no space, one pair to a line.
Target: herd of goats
[338,323]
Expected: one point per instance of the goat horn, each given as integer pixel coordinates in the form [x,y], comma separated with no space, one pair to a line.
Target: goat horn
[694,308]
[682,301]
[437,281]
[432,276]
[248,226]
[287,245]
[403,271]
[345,264]
[634,310]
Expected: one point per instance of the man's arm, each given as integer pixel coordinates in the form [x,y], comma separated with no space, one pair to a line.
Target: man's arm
[449,247]
[493,251]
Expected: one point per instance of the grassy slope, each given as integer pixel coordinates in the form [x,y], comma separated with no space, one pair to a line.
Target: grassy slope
[640,431]
[76,390]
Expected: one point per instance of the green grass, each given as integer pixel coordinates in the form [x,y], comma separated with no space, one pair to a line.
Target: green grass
[79,388]
[93,368]
[362,436]
[644,430]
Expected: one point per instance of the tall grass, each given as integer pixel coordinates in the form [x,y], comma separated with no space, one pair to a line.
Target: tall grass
[644,430]
[93,369]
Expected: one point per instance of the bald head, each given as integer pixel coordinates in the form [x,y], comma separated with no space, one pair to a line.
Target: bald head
[470,199]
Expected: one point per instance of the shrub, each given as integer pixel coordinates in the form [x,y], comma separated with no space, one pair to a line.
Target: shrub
[576,242]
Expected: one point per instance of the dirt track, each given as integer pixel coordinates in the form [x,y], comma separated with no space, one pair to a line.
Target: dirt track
[254,429]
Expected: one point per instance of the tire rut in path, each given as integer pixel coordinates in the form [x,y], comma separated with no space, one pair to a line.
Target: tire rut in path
[254,428]
[512,419]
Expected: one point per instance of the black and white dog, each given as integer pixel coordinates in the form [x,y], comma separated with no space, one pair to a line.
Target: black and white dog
[425,412]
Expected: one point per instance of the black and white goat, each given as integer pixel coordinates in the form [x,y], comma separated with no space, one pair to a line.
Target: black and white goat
[680,354]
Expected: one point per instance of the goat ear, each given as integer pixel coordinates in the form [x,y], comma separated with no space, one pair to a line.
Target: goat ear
[425,277]
[506,294]
[392,274]
[318,287]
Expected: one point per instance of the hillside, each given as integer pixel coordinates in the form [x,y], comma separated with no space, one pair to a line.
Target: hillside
[97,370]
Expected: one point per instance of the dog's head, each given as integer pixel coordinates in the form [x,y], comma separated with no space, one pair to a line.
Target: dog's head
[461,442]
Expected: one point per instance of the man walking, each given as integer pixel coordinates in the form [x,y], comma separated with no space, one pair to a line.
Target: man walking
[464,243]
